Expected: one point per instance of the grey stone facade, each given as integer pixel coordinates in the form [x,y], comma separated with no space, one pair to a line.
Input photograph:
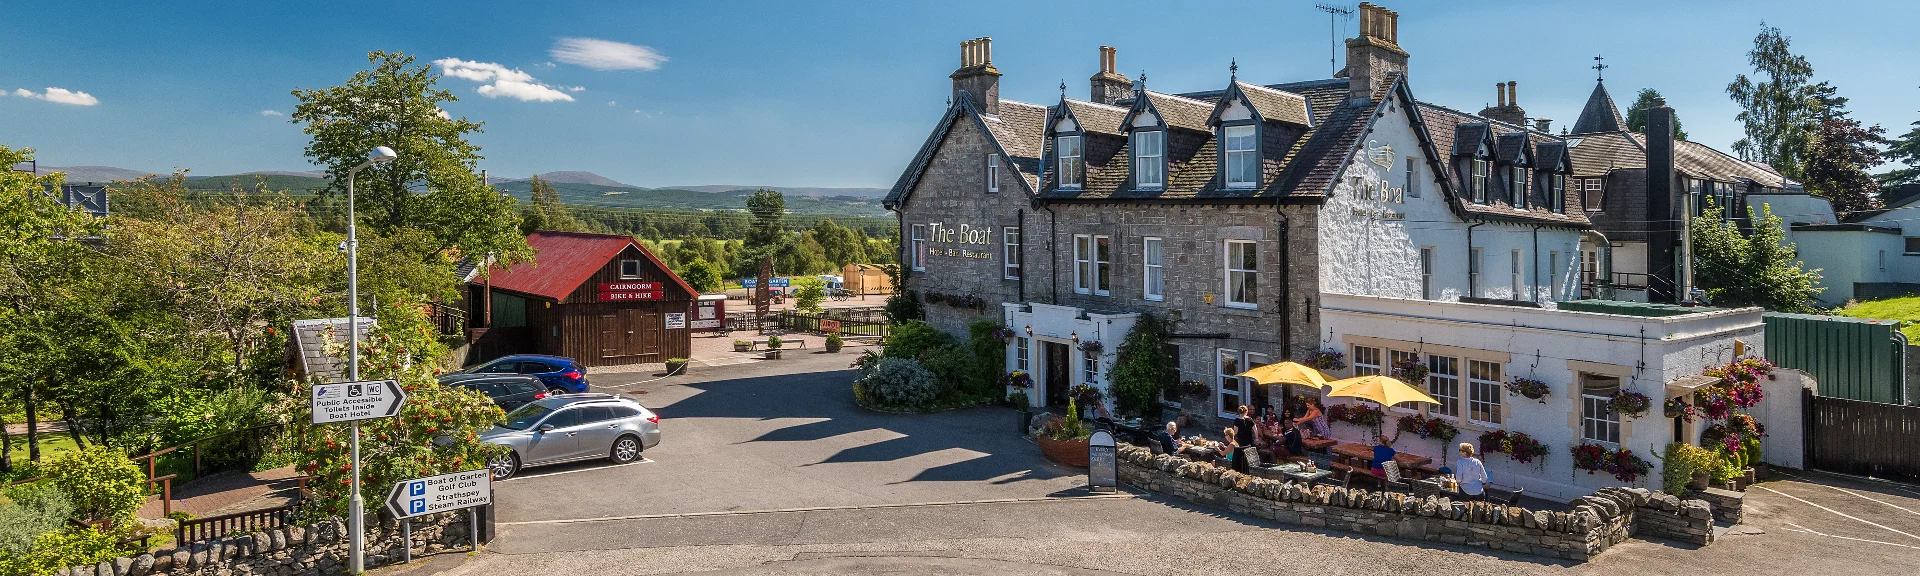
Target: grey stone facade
[952,194]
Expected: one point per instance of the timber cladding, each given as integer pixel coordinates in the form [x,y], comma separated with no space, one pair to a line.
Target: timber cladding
[601,300]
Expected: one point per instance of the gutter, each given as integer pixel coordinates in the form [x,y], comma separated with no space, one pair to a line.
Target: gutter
[1053,252]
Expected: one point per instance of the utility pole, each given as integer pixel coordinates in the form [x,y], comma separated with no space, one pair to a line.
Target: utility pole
[356,523]
[1333,34]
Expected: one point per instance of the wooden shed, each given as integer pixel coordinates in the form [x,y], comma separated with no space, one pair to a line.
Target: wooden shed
[599,299]
[867,279]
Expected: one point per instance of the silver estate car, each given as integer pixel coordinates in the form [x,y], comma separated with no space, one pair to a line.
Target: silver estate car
[570,427]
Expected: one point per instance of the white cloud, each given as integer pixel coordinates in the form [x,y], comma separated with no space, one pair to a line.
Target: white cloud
[271,113]
[611,103]
[501,80]
[606,54]
[59,96]
[442,113]
[575,88]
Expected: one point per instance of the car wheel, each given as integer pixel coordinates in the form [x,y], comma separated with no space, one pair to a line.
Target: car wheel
[626,449]
[504,466]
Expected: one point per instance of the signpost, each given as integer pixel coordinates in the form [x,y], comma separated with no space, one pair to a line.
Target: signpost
[1103,468]
[446,492]
[830,326]
[355,401]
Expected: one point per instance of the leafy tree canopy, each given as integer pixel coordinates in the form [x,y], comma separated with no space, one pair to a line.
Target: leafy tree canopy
[1750,269]
[1637,114]
[1779,106]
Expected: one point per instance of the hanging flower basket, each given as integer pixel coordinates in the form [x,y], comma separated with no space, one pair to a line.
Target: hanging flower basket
[1633,404]
[1677,408]
[1092,346]
[1426,427]
[1622,464]
[1004,333]
[1411,371]
[1530,388]
[1017,379]
[1517,445]
[1326,359]
[1357,414]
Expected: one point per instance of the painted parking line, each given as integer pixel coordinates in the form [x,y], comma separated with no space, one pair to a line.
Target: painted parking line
[1842,514]
[1798,528]
[1857,494]
[820,509]
[642,460]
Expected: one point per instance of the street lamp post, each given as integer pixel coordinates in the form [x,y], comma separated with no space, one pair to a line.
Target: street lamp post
[356,523]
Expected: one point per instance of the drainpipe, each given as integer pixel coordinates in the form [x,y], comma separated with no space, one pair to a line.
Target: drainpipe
[1053,256]
[1535,288]
[1286,283]
[1473,288]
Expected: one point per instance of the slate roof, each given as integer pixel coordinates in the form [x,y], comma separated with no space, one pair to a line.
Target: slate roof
[1599,115]
[1445,125]
[1467,136]
[1512,147]
[1095,117]
[565,260]
[1277,106]
[1180,111]
[1021,129]
[1596,154]
[1548,155]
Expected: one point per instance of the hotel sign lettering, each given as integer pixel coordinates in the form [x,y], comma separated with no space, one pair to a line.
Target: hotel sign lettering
[966,235]
[1370,185]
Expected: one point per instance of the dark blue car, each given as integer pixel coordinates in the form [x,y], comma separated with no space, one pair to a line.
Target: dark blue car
[557,373]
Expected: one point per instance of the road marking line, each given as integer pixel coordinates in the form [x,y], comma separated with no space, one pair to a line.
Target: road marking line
[1867,479]
[1843,514]
[817,509]
[1902,508]
[642,460]
[1799,528]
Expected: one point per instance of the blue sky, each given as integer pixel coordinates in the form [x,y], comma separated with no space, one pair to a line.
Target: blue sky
[841,94]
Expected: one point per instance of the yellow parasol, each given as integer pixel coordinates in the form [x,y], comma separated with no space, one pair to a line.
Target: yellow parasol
[1286,373]
[1386,390]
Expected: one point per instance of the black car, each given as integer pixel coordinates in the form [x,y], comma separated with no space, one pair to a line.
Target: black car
[509,391]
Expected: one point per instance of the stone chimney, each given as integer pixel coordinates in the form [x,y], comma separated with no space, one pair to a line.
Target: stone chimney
[1509,110]
[1543,124]
[1665,214]
[1109,85]
[976,76]
[1375,55]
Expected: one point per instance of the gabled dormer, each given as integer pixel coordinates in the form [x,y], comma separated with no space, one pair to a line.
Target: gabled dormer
[1473,148]
[1244,120]
[1553,164]
[1146,130]
[1514,160]
[1067,149]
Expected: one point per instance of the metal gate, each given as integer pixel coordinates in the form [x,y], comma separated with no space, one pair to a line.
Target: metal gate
[1851,358]
[1862,438]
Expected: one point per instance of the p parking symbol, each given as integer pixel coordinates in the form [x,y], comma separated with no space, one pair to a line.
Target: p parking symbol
[417,489]
[417,506]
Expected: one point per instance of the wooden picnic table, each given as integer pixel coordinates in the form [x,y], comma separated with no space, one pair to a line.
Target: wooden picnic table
[1361,456]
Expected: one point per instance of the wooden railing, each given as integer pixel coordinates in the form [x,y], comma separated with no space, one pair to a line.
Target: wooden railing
[449,320]
[165,483]
[212,527]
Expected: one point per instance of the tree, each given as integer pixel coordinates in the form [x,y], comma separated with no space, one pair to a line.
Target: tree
[839,245]
[769,210]
[807,294]
[1637,114]
[1779,109]
[546,212]
[1837,161]
[703,275]
[1905,150]
[1754,269]
[1142,371]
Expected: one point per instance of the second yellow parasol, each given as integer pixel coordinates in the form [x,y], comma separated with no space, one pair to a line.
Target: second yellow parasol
[1386,390]
[1286,373]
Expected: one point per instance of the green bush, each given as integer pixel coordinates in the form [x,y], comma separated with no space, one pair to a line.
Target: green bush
[903,307]
[913,339]
[1679,464]
[953,366]
[1071,428]
[898,382]
[1142,371]
[53,551]
[807,294]
[102,483]
[989,357]
[29,510]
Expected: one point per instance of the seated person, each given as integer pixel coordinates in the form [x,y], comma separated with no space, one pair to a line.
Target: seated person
[1291,443]
[1381,454]
[1266,431]
[1169,439]
[1230,452]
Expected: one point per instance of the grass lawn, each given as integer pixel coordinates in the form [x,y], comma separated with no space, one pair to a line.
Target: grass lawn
[1905,309]
[51,444]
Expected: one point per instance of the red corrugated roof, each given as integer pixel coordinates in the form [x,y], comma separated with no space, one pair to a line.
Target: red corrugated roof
[564,260]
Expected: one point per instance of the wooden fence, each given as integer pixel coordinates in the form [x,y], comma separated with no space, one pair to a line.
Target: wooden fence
[1863,438]
[212,527]
[846,327]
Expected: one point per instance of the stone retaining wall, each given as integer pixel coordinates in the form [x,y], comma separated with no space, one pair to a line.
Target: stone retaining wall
[317,549]
[1728,505]
[1597,521]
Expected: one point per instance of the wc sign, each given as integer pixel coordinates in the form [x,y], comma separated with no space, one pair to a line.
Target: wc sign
[422,496]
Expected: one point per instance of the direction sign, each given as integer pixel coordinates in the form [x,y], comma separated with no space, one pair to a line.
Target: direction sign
[422,496]
[349,401]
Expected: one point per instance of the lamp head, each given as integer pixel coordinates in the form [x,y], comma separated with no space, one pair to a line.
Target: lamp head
[381,154]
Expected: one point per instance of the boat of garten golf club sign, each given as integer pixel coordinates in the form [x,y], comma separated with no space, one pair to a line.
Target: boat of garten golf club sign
[351,401]
[964,234]
[630,291]
[422,496]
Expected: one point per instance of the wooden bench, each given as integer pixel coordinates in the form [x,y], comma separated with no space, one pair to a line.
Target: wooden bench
[1319,444]
[784,344]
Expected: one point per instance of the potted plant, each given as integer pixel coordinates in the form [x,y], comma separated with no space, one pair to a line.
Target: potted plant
[1632,404]
[1064,440]
[774,342]
[676,366]
[1530,388]
[834,343]
[1677,407]
[742,346]
[1018,399]
[1686,467]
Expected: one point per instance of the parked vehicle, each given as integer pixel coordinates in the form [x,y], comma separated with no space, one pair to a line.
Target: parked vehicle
[508,391]
[560,374]
[571,427]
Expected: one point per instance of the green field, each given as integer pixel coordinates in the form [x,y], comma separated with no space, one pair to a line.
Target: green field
[1905,309]
[591,197]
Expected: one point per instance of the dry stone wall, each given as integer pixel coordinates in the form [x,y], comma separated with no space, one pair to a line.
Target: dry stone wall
[1597,521]
[320,548]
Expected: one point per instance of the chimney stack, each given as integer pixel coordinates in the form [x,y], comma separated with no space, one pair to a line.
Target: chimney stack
[1109,85]
[1542,124]
[977,77]
[1509,110]
[1375,55]
[1513,98]
[1500,94]
[1666,282]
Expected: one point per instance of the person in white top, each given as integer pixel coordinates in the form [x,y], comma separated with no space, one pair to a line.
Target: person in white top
[1472,473]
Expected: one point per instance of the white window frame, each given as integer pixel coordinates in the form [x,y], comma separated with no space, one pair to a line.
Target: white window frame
[1481,173]
[1485,396]
[1102,265]
[1598,422]
[1443,384]
[1253,300]
[1517,186]
[1090,367]
[1367,360]
[1149,163]
[1082,264]
[1557,192]
[1068,154]
[1153,277]
[1426,272]
[1393,358]
[624,264]
[1519,284]
[1240,159]
[1226,381]
[1476,260]
[993,173]
[1010,250]
[918,247]
[1023,355]
[1413,188]
[1591,198]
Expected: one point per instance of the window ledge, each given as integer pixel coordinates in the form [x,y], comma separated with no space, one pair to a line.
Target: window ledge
[1153,298]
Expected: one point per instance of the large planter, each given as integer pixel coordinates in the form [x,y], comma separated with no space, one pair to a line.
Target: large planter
[773,354]
[1026,417]
[742,346]
[676,368]
[833,346]
[1700,480]
[1064,452]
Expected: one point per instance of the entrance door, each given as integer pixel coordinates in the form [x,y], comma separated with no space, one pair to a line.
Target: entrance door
[1058,373]
[642,336]
[613,335]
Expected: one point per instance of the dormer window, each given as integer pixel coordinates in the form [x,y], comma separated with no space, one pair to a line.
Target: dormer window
[1557,191]
[1517,186]
[1067,151]
[1242,156]
[993,173]
[1479,184]
[1149,159]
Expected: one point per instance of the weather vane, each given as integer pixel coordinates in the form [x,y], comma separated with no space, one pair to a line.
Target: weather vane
[1601,67]
[1233,69]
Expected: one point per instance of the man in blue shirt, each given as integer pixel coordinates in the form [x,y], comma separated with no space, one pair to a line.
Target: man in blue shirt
[1381,454]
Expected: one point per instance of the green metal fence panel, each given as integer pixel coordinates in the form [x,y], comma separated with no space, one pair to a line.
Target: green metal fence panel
[1852,358]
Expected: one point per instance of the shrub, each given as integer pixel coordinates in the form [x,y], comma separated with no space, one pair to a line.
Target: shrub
[72,546]
[912,339]
[1679,464]
[989,356]
[903,306]
[101,482]
[30,510]
[1070,428]
[835,340]
[774,342]
[954,368]
[807,294]
[899,382]
[1143,371]
[1018,399]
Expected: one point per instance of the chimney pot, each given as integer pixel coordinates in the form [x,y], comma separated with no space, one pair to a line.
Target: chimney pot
[1513,97]
[1500,92]
[1542,124]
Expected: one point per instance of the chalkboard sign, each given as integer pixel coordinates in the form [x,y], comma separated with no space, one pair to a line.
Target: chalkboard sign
[1103,471]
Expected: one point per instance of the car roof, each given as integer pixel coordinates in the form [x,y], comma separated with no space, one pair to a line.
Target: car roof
[558,401]
[534,357]
[456,378]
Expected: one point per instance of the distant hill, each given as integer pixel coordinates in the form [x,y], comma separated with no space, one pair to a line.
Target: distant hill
[305,173]
[96,173]
[601,196]
[790,190]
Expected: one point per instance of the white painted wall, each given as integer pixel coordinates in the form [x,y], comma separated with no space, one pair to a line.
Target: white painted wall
[1060,324]
[1551,346]
[1372,230]
[1781,414]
